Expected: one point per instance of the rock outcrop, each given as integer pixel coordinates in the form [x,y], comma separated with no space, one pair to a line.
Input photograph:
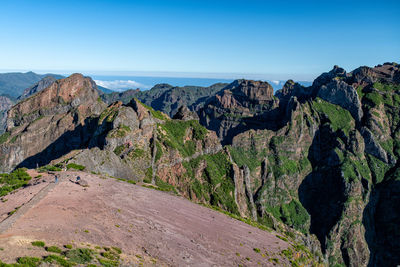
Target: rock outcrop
[51,123]
[74,92]
[185,114]
[5,105]
[333,87]
[37,87]
[373,148]
[241,105]
[340,93]
[292,89]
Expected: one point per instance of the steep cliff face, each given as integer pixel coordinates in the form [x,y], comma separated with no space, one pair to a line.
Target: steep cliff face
[185,114]
[321,172]
[121,143]
[62,96]
[50,123]
[290,89]
[5,105]
[174,155]
[382,220]
[239,107]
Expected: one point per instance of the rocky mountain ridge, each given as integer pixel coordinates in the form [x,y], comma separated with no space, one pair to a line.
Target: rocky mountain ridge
[320,170]
[237,107]
[318,164]
[37,87]
[40,127]
[166,97]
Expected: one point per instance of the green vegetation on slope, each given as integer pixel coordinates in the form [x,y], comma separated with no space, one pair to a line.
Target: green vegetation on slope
[119,149]
[119,132]
[339,117]
[13,181]
[164,186]
[75,166]
[100,256]
[4,137]
[109,114]
[373,99]
[381,93]
[38,243]
[283,165]
[80,255]
[50,168]
[54,249]
[292,214]
[243,157]
[172,133]
[378,168]
[354,168]
[155,113]
[215,186]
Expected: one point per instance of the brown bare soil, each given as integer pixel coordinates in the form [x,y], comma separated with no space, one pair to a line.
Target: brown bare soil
[141,221]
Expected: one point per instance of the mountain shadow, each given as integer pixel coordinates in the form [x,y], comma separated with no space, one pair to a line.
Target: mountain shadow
[322,192]
[381,219]
[228,126]
[79,138]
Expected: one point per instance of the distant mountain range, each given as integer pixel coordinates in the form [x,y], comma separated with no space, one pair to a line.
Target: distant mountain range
[20,85]
[17,86]
[122,83]
[166,97]
[13,84]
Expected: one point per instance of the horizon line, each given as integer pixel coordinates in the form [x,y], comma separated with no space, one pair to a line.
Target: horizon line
[175,74]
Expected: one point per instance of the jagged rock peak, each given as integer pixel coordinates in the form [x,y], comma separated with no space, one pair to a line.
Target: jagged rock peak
[342,94]
[326,77]
[292,89]
[59,97]
[289,84]
[388,72]
[338,70]
[288,88]
[185,114]
[253,90]
[161,87]
[144,111]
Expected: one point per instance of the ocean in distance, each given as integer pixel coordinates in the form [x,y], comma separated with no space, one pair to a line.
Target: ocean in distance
[122,83]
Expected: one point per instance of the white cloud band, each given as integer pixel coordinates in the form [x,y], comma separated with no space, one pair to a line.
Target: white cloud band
[120,85]
[276,82]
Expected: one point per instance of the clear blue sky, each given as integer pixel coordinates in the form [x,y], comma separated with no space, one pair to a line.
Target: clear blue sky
[276,38]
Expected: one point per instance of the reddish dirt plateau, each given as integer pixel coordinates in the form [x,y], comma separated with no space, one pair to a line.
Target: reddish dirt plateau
[151,224]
